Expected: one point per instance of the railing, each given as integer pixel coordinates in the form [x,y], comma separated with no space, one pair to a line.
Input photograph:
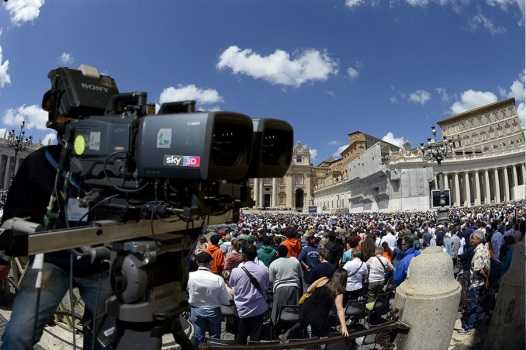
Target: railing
[384,334]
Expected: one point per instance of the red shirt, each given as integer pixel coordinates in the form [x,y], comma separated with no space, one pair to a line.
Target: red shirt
[218,258]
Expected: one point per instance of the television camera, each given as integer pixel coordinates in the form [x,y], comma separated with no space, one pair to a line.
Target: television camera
[137,185]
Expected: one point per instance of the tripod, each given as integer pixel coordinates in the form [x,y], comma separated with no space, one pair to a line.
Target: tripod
[149,283]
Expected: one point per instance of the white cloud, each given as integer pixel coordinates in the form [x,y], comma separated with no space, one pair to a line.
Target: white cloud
[472,99]
[353,72]
[190,92]
[34,116]
[338,152]
[354,3]
[397,141]
[333,143]
[393,99]
[3,133]
[443,94]
[279,68]
[21,11]
[5,79]
[313,153]
[504,4]
[49,139]
[419,3]
[66,59]
[484,23]
[420,96]
[517,88]
[521,111]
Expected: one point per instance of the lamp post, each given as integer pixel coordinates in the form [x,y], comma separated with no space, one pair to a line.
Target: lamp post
[436,151]
[19,143]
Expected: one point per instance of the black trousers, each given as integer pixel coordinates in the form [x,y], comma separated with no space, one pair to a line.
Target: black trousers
[249,326]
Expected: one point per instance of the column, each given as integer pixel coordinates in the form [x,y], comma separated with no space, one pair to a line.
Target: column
[488,188]
[515,177]
[436,182]
[507,196]
[467,200]
[497,185]
[445,179]
[274,198]
[523,170]
[289,190]
[478,199]
[307,193]
[261,201]
[255,191]
[457,191]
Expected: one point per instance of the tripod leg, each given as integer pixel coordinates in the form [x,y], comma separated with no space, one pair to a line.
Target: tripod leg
[180,336]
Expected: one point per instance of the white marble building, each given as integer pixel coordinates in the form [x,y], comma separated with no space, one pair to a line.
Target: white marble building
[487,166]
[7,162]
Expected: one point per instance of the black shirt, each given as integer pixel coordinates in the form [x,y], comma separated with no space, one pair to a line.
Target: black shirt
[28,197]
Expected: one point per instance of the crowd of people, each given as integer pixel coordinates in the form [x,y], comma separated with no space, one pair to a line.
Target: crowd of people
[269,262]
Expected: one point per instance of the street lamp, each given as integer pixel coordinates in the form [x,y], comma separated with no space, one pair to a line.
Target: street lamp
[436,151]
[19,143]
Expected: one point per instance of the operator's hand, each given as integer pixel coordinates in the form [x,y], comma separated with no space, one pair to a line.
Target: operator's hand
[344,331]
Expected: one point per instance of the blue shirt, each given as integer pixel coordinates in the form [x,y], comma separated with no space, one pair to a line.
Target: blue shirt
[310,256]
[249,301]
[401,270]
[347,256]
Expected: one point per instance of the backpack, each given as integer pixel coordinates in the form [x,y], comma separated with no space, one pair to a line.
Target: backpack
[320,282]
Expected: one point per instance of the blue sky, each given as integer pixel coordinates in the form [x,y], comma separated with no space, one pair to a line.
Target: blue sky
[329,67]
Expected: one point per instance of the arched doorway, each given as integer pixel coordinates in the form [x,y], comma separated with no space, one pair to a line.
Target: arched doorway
[299,198]
[266,200]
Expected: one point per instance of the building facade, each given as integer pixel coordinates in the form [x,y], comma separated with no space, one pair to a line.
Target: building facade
[486,166]
[293,191]
[8,167]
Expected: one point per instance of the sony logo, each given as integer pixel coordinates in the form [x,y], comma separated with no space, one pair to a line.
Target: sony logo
[94,87]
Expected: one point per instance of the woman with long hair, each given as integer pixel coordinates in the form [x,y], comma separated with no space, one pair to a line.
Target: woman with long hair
[324,294]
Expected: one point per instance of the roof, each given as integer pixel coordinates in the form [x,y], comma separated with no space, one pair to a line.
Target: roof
[476,110]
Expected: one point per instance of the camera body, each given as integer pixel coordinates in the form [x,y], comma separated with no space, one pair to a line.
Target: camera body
[187,158]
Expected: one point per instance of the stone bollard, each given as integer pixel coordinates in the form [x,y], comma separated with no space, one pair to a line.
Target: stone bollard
[506,330]
[428,302]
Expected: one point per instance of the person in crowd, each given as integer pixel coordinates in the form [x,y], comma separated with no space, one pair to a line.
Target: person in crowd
[357,272]
[286,276]
[479,279]
[390,239]
[455,244]
[323,297]
[266,252]
[218,258]
[292,243]
[233,258]
[250,282]
[334,247]
[226,244]
[323,269]
[309,256]
[368,246]
[496,239]
[387,252]
[409,252]
[207,291]
[350,243]
[506,254]
[379,269]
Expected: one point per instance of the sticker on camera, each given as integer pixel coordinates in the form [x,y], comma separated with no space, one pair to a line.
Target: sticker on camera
[164,138]
[178,160]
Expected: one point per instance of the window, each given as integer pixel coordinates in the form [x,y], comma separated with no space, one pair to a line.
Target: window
[299,159]
[299,179]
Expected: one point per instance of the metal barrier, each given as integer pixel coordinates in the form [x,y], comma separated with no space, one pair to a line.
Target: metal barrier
[387,331]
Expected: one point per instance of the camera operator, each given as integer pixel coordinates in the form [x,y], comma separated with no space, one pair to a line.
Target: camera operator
[28,197]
